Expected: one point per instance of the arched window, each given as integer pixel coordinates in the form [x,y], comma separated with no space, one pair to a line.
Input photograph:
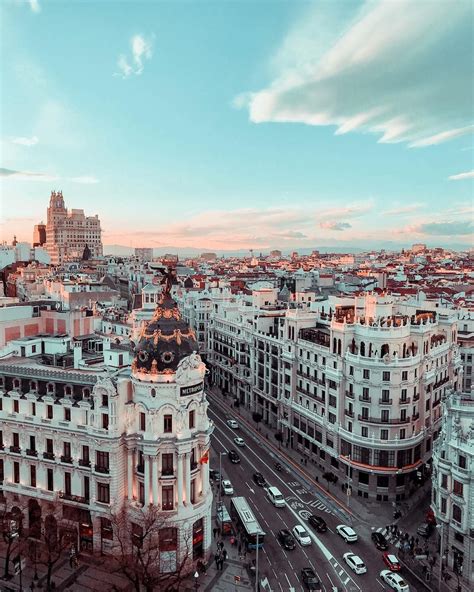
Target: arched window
[50,388]
[362,348]
[16,384]
[385,350]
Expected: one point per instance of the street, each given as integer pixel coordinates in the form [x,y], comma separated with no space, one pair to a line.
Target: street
[282,568]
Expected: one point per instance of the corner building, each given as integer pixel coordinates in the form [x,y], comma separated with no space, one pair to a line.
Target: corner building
[79,444]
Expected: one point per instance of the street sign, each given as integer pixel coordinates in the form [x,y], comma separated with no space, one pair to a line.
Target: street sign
[349,491]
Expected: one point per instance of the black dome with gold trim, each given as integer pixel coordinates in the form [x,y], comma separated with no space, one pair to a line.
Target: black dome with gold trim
[165,341]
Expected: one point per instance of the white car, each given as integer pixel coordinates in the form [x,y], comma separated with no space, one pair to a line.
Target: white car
[394,580]
[301,535]
[347,533]
[232,424]
[355,563]
[239,442]
[227,487]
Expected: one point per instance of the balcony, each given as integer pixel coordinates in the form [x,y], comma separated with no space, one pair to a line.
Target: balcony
[78,499]
[48,455]
[66,459]
[193,466]
[348,413]
[31,452]
[167,472]
[415,416]
[349,395]
[15,449]
[378,420]
[405,401]
[385,401]
[84,463]
[101,469]
[140,469]
[436,403]
[365,398]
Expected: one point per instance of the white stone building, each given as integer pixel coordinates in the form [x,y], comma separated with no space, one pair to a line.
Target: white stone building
[453,485]
[79,441]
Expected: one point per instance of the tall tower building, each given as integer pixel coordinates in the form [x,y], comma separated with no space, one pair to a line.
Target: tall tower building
[69,232]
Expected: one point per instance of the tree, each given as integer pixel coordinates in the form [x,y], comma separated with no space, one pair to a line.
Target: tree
[330,478]
[145,549]
[257,417]
[12,531]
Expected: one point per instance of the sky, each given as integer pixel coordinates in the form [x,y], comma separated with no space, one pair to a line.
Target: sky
[232,125]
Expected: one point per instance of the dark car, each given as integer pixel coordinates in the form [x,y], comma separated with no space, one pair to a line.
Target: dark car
[259,479]
[380,541]
[425,530]
[233,456]
[310,580]
[286,540]
[214,475]
[317,523]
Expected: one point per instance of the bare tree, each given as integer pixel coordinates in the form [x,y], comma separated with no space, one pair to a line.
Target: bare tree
[11,524]
[145,549]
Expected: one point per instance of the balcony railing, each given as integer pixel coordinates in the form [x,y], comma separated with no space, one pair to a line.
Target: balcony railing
[167,472]
[379,420]
[365,398]
[31,452]
[66,459]
[385,401]
[405,401]
[140,469]
[101,469]
[348,413]
[415,416]
[48,455]
[15,449]
[349,395]
[84,462]
[79,499]
[193,466]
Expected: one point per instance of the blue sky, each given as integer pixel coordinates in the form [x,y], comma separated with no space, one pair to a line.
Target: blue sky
[250,124]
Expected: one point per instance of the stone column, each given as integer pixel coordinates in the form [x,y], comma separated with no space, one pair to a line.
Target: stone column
[205,476]
[187,477]
[154,478]
[130,472]
[146,478]
[180,480]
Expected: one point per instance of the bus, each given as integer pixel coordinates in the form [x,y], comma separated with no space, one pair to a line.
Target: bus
[247,524]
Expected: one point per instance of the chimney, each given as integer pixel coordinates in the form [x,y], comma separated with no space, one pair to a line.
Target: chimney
[77,354]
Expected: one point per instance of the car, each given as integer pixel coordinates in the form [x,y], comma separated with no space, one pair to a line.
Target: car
[425,530]
[233,424]
[239,442]
[391,562]
[233,457]
[301,535]
[310,580]
[318,523]
[259,479]
[286,539]
[394,580]
[380,541]
[214,475]
[347,533]
[355,563]
[227,488]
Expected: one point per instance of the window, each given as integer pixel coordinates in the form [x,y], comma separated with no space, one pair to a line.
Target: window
[403,415]
[192,419]
[332,401]
[105,421]
[105,400]
[167,424]
[49,446]
[386,376]
[366,374]
[365,393]
[141,493]
[402,434]
[33,409]
[462,461]
[102,459]
[403,396]
[32,444]
[16,472]
[384,434]
[103,493]
[85,454]
[50,480]
[167,463]
[67,483]
[167,497]
[16,440]
[385,415]
[385,395]
[106,529]
[351,370]
[33,475]
[193,491]
[142,422]
[87,489]
[16,406]
[67,414]
[404,375]
[67,449]
[365,432]
[457,514]
[458,488]
[49,411]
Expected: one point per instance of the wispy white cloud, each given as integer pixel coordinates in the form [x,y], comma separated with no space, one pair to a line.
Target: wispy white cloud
[141,49]
[450,228]
[396,69]
[27,175]
[86,180]
[35,6]
[333,225]
[398,211]
[462,176]
[23,141]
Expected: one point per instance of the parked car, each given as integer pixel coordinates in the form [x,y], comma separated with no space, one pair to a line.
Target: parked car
[227,488]
[239,442]
[391,562]
[318,523]
[301,535]
[233,424]
[310,580]
[394,580]
[233,457]
[347,533]
[425,529]
[380,541]
[259,479]
[214,475]
[286,539]
[355,563]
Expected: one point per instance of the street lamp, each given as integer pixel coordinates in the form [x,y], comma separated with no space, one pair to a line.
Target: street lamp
[256,567]
[221,454]
[441,551]
[196,585]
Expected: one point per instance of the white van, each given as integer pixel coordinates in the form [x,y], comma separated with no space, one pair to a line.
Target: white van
[276,497]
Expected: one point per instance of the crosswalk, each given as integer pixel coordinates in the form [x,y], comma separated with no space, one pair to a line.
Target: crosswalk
[391,538]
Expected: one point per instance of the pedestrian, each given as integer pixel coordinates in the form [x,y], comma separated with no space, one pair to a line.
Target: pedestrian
[305,461]
[216,559]
[301,460]
[221,545]
[215,531]
[240,548]
[224,554]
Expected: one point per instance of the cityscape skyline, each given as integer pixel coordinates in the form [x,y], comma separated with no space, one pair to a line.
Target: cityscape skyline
[235,142]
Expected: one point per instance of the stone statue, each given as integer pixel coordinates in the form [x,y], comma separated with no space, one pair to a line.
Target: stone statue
[181,419]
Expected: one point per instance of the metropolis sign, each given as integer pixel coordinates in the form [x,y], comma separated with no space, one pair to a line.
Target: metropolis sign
[191,390]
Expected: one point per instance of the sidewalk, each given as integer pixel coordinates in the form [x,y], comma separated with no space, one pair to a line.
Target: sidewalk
[368,511]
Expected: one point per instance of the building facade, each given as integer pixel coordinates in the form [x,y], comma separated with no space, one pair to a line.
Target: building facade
[79,443]
[69,233]
[453,485]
